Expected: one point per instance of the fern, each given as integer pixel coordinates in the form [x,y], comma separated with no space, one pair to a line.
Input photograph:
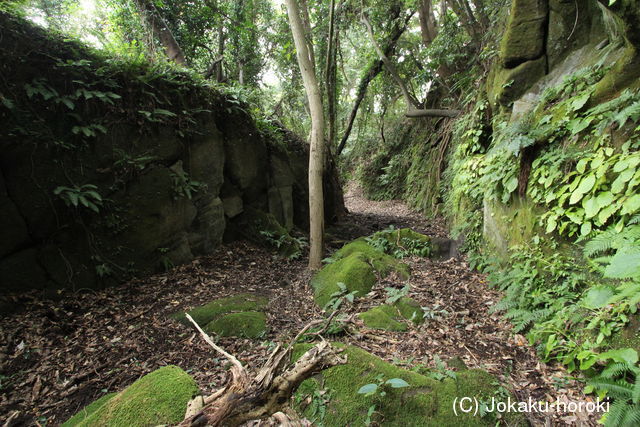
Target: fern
[615,388]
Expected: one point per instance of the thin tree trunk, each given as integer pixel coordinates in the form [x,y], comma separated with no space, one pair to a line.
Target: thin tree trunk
[371,73]
[428,25]
[219,69]
[155,22]
[316,150]
[391,68]
[308,35]
[330,75]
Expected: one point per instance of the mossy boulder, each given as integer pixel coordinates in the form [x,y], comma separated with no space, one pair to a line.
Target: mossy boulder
[354,271]
[426,402]
[237,315]
[384,264]
[524,38]
[160,397]
[216,308]
[88,410]
[383,317]
[388,316]
[410,309]
[249,324]
[402,242]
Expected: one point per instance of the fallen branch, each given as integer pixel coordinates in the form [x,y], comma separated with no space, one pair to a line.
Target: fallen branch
[266,394]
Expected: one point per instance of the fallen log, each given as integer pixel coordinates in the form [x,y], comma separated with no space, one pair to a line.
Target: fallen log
[268,393]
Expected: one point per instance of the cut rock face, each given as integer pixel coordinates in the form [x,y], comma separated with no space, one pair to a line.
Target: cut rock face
[239,315]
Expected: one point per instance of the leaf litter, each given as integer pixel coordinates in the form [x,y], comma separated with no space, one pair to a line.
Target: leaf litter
[57,356]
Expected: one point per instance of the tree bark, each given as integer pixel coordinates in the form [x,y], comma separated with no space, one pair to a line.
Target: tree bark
[428,25]
[371,73]
[316,150]
[330,75]
[158,25]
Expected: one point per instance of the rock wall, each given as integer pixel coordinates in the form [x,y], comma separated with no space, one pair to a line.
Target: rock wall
[110,169]
[546,41]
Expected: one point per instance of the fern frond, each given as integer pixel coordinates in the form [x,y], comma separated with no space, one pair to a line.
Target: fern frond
[616,413]
[631,416]
[618,389]
[600,243]
[617,369]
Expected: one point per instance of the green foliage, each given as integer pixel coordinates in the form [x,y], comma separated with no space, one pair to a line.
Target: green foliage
[184,186]
[339,297]
[400,243]
[86,195]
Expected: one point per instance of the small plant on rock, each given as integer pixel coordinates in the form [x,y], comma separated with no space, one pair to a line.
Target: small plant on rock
[379,389]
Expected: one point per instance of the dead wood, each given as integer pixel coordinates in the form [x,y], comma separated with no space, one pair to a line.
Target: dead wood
[246,398]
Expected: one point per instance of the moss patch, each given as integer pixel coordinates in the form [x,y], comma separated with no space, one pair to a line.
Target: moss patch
[410,309]
[426,402]
[525,34]
[354,271]
[381,262]
[216,308]
[237,315]
[383,317]
[249,324]
[88,410]
[160,397]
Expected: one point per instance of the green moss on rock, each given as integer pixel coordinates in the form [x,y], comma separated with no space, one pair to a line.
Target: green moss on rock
[88,410]
[381,262]
[410,309]
[236,303]
[426,402]
[249,324]
[354,271]
[383,317]
[160,397]
[524,38]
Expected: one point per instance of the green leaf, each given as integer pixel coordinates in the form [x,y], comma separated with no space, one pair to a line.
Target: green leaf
[551,225]
[368,389]
[606,212]
[579,101]
[625,355]
[586,184]
[591,207]
[604,199]
[631,205]
[585,228]
[512,184]
[397,383]
[597,297]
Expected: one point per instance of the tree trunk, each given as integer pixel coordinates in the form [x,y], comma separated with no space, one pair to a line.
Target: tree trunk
[391,68]
[428,25]
[154,21]
[371,72]
[330,75]
[316,150]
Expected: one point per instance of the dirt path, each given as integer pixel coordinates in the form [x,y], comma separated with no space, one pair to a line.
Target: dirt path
[56,357]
